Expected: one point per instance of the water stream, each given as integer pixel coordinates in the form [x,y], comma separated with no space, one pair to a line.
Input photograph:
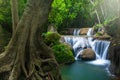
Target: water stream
[87,70]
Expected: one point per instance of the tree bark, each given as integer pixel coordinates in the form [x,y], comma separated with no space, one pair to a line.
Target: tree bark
[26,55]
[15,16]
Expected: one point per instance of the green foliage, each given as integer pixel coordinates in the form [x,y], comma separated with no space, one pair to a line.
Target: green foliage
[107,21]
[63,54]
[21,4]
[67,12]
[5,13]
[97,26]
[61,11]
[51,38]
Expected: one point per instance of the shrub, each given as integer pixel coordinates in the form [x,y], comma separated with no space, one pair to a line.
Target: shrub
[51,38]
[97,27]
[63,54]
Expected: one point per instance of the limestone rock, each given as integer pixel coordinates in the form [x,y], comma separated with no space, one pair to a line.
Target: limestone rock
[83,31]
[87,54]
[105,36]
[67,31]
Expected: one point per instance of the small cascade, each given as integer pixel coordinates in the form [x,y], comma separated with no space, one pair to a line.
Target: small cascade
[90,32]
[76,32]
[100,47]
[69,40]
[78,43]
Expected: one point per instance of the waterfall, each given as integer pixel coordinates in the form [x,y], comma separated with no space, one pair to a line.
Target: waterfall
[100,47]
[76,32]
[78,43]
[90,32]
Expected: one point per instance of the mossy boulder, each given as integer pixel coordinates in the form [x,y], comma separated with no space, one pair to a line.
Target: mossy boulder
[51,38]
[63,54]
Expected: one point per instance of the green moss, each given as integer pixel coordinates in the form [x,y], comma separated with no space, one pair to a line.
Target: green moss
[51,38]
[98,34]
[63,54]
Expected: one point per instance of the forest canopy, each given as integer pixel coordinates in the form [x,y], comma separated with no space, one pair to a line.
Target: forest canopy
[68,13]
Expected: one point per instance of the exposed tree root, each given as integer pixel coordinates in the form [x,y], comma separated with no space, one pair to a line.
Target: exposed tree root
[26,55]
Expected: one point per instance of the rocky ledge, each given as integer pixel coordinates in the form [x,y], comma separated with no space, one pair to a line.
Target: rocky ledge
[114,56]
[113,29]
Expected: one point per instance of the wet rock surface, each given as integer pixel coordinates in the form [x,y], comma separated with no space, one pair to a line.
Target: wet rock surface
[88,54]
[114,56]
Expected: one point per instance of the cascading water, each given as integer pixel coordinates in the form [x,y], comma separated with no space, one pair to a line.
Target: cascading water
[76,32]
[100,47]
[78,43]
[80,69]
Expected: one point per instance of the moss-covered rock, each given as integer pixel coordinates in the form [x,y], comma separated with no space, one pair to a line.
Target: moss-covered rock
[99,34]
[51,38]
[63,54]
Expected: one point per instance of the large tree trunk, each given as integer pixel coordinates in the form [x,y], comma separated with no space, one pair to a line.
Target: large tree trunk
[15,16]
[26,56]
